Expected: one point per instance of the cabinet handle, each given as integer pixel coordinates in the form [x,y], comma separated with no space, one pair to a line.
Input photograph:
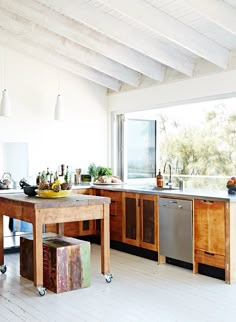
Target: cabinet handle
[208,201]
[208,253]
[112,215]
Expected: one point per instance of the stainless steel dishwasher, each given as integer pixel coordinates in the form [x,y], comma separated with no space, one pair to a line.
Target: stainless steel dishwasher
[175,229]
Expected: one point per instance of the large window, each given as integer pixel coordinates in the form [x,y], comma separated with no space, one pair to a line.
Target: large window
[141,148]
[198,140]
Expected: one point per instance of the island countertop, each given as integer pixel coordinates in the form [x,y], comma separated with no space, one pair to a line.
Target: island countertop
[72,200]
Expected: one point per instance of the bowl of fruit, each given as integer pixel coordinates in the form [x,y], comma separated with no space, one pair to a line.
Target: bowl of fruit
[231,185]
[54,190]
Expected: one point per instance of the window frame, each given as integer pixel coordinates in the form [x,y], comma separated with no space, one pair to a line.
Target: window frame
[119,160]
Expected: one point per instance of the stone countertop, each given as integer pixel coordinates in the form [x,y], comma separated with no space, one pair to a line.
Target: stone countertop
[10,191]
[149,189]
[186,193]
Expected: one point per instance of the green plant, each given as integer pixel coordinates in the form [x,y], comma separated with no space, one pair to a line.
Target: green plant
[103,171]
[93,170]
[98,171]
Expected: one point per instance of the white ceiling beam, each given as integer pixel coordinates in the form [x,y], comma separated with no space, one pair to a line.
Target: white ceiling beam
[219,12]
[122,32]
[27,30]
[50,57]
[85,36]
[172,29]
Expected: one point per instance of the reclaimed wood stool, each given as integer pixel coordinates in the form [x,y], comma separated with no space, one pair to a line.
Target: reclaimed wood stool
[66,262]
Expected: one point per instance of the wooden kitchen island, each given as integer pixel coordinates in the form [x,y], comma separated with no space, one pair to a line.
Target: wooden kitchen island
[39,211]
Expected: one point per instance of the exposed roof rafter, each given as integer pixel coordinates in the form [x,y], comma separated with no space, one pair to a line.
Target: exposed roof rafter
[216,11]
[50,57]
[123,33]
[84,36]
[172,29]
[31,32]
[124,44]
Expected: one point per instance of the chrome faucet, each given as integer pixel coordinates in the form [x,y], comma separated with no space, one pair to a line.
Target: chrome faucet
[169,181]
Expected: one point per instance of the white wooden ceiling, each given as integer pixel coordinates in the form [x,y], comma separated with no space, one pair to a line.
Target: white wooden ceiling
[117,42]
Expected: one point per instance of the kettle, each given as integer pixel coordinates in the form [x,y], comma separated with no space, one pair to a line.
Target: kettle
[6,182]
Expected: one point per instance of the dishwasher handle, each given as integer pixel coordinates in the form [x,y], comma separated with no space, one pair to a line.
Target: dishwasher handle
[180,204]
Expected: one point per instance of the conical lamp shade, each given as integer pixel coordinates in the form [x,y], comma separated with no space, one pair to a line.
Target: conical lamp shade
[58,116]
[5,109]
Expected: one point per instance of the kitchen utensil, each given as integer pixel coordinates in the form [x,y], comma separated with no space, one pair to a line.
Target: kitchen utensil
[78,176]
[23,183]
[6,182]
[30,190]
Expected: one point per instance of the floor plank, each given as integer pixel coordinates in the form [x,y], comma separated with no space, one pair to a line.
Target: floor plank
[140,291]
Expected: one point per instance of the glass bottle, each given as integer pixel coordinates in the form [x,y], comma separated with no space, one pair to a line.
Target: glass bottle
[38,179]
[43,176]
[48,175]
[55,176]
[159,179]
[67,176]
[61,176]
[51,177]
[62,170]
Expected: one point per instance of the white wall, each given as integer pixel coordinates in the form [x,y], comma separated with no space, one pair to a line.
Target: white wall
[32,88]
[216,85]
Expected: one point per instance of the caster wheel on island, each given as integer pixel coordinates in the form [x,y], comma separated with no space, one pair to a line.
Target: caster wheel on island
[3,269]
[41,290]
[108,278]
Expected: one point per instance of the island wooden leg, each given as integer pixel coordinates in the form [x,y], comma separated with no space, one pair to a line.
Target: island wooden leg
[60,228]
[105,241]
[38,253]
[1,241]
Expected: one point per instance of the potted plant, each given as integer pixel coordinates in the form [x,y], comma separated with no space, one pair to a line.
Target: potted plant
[93,171]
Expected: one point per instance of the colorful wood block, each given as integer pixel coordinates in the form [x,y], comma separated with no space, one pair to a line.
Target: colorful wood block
[66,263]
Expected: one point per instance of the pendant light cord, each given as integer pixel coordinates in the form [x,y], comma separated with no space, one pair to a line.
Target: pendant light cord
[4,67]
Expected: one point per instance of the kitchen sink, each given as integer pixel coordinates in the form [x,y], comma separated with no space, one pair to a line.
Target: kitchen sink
[164,188]
[154,188]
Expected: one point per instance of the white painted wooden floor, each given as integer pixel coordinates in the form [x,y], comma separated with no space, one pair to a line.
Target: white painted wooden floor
[140,291]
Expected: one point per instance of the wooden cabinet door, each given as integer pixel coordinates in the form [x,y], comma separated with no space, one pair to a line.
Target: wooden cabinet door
[131,218]
[209,226]
[86,227]
[149,222]
[115,213]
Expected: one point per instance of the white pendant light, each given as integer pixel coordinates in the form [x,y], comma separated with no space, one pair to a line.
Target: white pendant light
[58,115]
[58,112]
[5,108]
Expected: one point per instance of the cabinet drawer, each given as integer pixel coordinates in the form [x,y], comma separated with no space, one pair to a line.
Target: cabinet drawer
[208,204]
[70,228]
[82,191]
[115,196]
[52,228]
[116,209]
[210,259]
